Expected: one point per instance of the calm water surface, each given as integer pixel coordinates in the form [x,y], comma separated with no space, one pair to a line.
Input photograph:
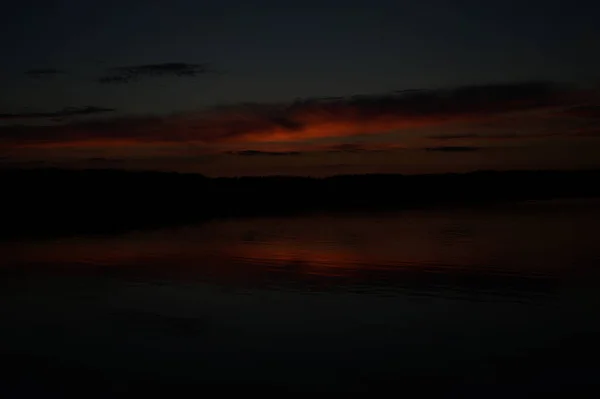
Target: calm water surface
[503,296]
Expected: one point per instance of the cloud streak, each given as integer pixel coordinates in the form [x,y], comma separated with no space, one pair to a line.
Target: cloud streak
[318,118]
[126,74]
[298,122]
[453,149]
[454,136]
[44,72]
[500,136]
[584,111]
[63,113]
[252,153]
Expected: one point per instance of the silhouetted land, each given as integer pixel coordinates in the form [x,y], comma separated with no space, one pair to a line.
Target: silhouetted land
[55,201]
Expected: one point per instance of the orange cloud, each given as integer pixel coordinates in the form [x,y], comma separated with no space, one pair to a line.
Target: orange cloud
[299,121]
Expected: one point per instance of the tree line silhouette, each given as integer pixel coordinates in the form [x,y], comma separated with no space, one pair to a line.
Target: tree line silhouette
[60,201]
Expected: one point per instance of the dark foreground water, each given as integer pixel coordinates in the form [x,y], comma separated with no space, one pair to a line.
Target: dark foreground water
[495,301]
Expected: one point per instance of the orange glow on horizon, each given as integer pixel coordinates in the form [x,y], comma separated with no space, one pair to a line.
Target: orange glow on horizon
[224,130]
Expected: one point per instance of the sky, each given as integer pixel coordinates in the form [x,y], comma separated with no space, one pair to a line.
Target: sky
[237,87]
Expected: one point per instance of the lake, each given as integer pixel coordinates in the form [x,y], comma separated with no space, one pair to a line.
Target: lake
[491,300]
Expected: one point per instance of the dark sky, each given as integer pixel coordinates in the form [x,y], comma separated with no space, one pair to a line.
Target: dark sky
[60,57]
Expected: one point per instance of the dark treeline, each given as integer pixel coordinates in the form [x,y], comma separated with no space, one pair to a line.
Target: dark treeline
[55,201]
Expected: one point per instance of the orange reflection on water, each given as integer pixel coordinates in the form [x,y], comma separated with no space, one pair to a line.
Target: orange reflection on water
[308,257]
[534,240]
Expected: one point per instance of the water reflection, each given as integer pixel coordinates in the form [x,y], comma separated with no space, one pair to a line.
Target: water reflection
[462,297]
[521,251]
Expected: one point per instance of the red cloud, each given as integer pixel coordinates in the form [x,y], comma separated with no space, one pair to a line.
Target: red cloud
[298,121]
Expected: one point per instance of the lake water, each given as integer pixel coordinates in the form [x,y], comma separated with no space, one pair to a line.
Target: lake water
[494,300]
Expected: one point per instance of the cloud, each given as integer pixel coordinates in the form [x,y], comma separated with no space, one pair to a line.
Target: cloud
[584,111]
[454,136]
[300,121]
[506,136]
[95,132]
[64,113]
[104,160]
[356,115]
[252,153]
[9,164]
[125,74]
[354,148]
[595,132]
[44,72]
[453,149]
[299,149]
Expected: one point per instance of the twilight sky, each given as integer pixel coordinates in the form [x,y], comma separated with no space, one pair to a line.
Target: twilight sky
[239,87]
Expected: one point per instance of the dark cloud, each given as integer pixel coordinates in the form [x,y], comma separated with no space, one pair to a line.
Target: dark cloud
[324,99]
[104,160]
[352,148]
[64,113]
[308,119]
[468,99]
[315,149]
[110,131]
[407,91]
[453,148]
[524,136]
[127,74]
[24,164]
[587,133]
[285,122]
[501,136]
[263,153]
[118,126]
[454,136]
[584,111]
[44,72]
[510,136]
[314,118]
